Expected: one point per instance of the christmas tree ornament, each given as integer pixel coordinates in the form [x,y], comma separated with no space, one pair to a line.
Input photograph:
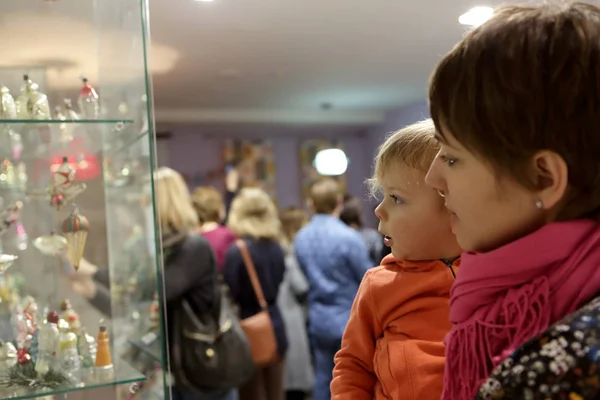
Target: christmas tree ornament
[103,366]
[68,314]
[64,174]
[31,103]
[23,356]
[67,355]
[6,261]
[86,345]
[7,173]
[48,341]
[89,106]
[9,216]
[51,244]
[75,229]
[21,240]
[8,109]
[8,355]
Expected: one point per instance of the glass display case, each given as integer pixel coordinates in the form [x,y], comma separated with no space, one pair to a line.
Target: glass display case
[76,165]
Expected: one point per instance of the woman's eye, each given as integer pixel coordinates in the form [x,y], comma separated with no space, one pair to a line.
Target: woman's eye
[447,159]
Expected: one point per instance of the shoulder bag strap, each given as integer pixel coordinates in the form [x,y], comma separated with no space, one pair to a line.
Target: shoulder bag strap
[252,274]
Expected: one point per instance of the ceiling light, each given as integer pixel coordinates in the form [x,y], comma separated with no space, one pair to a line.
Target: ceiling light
[331,162]
[204,1]
[476,16]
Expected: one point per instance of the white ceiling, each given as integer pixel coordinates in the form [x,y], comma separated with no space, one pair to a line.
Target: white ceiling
[253,60]
[240,61]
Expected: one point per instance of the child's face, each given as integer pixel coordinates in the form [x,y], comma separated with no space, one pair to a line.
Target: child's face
[487,211]
[413,217]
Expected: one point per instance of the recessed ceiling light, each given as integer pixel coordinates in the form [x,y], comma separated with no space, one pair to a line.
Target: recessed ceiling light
[476,16]
[204,1]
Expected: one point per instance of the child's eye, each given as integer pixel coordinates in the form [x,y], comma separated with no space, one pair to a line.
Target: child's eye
[396,199]
[447,159]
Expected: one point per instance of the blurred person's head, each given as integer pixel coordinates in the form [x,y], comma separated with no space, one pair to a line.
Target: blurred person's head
[325,196]
[412,215]
[292,220]
[173,202]
[209,205]
[253,215]
[351,213]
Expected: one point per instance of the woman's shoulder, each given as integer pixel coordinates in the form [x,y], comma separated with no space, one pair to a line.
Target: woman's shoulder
[564,360]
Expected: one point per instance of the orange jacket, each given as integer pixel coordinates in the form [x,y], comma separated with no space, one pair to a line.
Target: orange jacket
[393,345]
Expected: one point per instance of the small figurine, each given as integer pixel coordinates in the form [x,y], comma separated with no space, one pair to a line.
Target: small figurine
[67,355]
[30,310]
[103,365]
[88,101]
[63,189]
[70,316]
[10,216]
[8,355]
[7,104]
[7,173]
[6,261]
[64,174]
[75,229]
[51,244]
[86,344]
[71,114]
[48,343]
[31,103]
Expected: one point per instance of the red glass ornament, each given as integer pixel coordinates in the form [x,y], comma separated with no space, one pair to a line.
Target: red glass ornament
[23,356]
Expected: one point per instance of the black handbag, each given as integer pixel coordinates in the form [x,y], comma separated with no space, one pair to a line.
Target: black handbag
[210,351]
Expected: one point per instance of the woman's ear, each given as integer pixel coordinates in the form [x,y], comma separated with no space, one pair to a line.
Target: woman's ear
[551,177]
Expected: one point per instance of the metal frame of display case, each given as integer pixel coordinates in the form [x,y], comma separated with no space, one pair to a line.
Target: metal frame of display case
[57,41]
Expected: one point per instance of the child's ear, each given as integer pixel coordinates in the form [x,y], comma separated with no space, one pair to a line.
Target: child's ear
[551,177]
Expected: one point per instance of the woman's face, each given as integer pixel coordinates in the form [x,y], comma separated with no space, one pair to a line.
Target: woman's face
[487,210]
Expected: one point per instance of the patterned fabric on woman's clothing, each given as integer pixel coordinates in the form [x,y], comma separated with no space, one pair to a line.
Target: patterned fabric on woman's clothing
[561,363]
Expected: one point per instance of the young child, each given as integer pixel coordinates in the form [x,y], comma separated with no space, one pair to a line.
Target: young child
[393,344]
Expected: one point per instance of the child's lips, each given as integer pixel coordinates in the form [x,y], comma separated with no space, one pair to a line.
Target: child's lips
[387,241]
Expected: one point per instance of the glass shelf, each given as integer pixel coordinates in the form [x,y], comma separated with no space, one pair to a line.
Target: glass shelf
[124,374]
[68,121]
[149,344]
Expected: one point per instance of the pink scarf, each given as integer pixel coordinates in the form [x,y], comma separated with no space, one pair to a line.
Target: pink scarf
[505,297]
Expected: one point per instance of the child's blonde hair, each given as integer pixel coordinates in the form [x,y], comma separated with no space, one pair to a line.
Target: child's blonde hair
[253,214]
[414,146]
[173,202]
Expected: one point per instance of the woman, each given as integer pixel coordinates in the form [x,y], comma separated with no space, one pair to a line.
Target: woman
[210,208]
[517,106]
[253,218]
[299,374]
[189,265]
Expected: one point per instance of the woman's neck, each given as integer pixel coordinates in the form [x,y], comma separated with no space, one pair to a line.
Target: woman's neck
[209,226]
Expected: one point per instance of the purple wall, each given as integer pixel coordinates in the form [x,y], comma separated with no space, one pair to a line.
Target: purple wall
[192,152]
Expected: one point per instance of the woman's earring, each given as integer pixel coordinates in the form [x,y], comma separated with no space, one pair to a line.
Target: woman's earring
[539,204]
[441,193]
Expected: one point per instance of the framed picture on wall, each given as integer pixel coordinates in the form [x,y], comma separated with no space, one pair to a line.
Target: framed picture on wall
[256,163]
[308,151]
